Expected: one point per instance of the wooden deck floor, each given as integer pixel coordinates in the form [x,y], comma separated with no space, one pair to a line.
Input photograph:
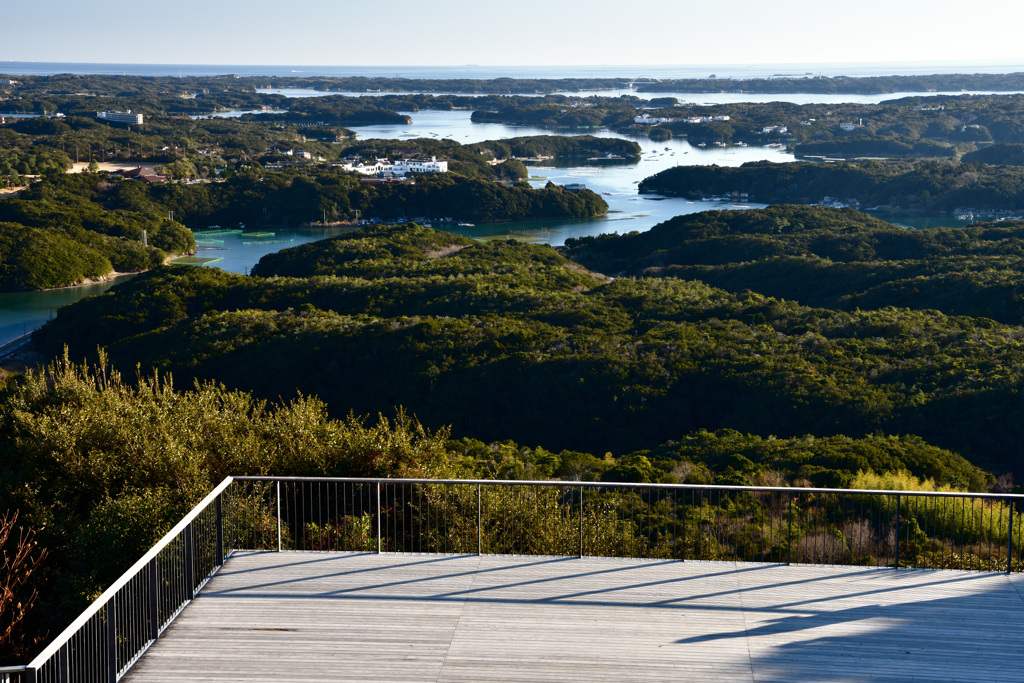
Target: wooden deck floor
[365,617]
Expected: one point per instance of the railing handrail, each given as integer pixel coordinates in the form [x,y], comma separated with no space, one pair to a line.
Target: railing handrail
[102,600]
[13,669]
[608,484]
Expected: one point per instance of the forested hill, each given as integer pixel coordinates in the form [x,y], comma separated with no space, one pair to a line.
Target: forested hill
[835,258]
[513,341]
[62,231]
[930,185]
[69,228]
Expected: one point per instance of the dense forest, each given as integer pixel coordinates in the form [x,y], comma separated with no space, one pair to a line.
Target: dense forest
[837,259]
[380,318]
[59,233]
[918,185]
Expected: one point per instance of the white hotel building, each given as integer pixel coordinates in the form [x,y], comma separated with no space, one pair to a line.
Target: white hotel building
[120,117]
[399,168]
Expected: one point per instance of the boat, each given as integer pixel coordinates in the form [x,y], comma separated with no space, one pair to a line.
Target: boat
[467,225]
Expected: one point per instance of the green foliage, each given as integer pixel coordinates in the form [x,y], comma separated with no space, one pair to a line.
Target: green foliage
[64,230]
[840,259]
[921,185]
[103,468]
[513,341]
[33,258]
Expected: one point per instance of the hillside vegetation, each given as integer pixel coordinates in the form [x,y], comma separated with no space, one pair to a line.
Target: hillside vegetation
[897,185]
[513,341]
[834,258]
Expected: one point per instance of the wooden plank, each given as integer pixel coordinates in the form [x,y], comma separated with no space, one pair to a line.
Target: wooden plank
[366,617]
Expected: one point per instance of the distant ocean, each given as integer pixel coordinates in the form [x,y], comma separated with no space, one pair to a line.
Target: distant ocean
[738,71]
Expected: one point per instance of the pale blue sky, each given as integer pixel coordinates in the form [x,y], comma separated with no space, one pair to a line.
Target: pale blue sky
[521,32]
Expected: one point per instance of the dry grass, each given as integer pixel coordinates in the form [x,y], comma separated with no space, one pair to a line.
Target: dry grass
[441,252]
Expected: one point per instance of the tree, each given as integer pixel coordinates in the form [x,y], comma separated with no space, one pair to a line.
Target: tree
[20,558]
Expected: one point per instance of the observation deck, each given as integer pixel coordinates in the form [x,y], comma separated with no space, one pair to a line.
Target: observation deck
[301,616]
[334,579]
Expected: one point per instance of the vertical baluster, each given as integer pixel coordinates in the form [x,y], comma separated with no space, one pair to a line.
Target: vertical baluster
[789,532]
[581,522]
[897,529]
[1009,541]
[278,496]
[111,642]
[682,552]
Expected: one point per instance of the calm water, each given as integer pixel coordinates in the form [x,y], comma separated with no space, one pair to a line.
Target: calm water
[710,98]
[26,311]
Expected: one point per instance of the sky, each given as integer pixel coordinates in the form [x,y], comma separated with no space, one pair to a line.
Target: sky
[523,32]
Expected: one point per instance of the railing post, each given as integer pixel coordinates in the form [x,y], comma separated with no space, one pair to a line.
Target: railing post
[219,514]
[897,531]
[1009,542]
[154,600]
[63,675]
[682,549]
[479,523]
[378,518]
[190,569]
[30,676]
[111,641]
[279,515]
[581,522]
[789,533]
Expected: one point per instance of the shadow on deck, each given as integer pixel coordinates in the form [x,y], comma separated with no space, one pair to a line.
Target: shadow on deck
[360,616]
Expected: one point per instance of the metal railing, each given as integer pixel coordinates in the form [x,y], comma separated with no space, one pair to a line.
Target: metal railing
[119,626]
[899,529]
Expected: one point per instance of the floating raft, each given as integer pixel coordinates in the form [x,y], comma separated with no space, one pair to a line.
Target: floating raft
[258,234]
[194,261]
[250,243]
[206,233]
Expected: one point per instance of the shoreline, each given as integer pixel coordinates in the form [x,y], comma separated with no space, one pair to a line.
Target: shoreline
[89,281]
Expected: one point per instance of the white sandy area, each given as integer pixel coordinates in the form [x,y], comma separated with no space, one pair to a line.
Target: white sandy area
[83,166]
[4,191]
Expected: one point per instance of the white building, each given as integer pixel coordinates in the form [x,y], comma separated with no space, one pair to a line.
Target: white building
[365,167]
[775,129]
[652,120]
[419,166]
[399,168]
[120,117]
[705,119]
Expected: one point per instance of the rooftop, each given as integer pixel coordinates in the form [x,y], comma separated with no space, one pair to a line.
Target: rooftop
[306,616]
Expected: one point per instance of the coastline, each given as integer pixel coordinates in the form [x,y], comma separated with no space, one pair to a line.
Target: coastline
[89,281]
